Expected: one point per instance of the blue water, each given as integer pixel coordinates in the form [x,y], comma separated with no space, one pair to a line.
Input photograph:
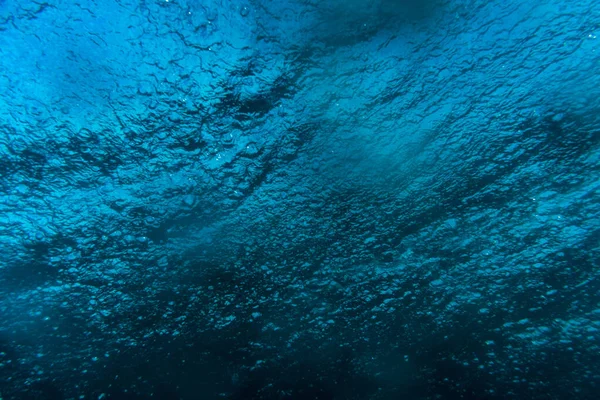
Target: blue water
[299,199]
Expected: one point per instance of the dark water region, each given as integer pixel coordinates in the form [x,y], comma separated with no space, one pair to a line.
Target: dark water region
[299,199]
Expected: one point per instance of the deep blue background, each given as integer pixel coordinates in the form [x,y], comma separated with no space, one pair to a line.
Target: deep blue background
[376,199]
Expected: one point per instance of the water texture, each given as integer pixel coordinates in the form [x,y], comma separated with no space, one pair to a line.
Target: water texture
[299,199]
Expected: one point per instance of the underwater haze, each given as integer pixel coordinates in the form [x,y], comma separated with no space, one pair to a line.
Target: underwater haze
[299,199]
